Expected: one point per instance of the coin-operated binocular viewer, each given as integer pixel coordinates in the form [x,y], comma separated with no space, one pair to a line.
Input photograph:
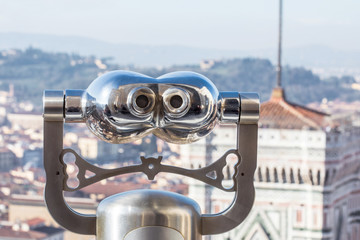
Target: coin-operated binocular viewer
[120,107]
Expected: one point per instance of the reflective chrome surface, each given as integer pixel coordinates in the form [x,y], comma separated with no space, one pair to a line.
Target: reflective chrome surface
[154,233]
[141,101]
[73,106]
[120,215]
[193,121]
[179,107]
[229,107]
[122,106]
[176,102]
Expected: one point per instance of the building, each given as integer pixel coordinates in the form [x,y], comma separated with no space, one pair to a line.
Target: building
[26,120]
[308,176]
[207,64]
[24,208]
[32,158]
[11,234]
[88,147]
[92,148]
[8,160]
[33,229]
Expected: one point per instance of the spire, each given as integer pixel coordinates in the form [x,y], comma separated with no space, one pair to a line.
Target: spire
[278,68]
[282,114]
[278,94]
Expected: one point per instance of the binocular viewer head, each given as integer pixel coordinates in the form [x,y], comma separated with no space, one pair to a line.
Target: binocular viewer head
[179,107]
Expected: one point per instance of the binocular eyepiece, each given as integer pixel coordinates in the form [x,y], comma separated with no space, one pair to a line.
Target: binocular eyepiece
[141,102]
[179,107]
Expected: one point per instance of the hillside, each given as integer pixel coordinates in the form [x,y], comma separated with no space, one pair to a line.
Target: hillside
[312,56]
[33,70]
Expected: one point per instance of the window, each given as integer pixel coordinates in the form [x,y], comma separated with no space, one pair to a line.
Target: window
[315,219]
[283,174]
[299,217]
[325,219]
[311,177]
[268,175]
[292,179]
[260,175]
[276,178]
[300,177]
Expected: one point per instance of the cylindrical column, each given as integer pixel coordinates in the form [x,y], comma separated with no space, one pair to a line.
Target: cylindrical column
[74,105]
[148,215]
[250,108]
[229,107]
[53,104]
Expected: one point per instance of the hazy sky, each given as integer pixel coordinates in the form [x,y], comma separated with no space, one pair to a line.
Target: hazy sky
[226,24]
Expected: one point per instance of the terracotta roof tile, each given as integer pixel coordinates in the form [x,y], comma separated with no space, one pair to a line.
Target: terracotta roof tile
[279,113]
[35,221]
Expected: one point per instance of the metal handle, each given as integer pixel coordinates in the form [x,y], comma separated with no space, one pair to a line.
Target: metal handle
[53,146]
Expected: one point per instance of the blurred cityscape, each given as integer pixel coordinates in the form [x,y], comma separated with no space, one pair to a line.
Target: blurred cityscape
[308,176]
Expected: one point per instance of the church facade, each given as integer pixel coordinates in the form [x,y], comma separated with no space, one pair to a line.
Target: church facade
[308,176]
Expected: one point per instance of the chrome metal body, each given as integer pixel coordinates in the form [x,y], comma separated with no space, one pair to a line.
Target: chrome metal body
[73,106]
[109,106]
[135,210]
[229,107]
[123,106]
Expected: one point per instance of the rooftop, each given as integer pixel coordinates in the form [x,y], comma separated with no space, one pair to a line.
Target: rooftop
[280,113]
[11,234]
[48,230]
[35,221]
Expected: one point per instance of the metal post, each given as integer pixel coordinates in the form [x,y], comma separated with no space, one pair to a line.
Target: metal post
[209,148]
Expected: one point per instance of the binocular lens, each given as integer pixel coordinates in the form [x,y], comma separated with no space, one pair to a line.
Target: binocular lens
[176,101]
[141,101]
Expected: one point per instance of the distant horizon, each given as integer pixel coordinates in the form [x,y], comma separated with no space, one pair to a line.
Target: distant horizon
[323,60]
[230,25]
[176,44]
